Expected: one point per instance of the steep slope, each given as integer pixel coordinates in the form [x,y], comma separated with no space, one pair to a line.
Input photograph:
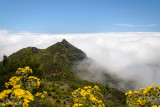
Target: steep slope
[59,58]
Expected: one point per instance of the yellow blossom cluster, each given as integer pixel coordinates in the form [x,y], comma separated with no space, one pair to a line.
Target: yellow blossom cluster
[16,97]
[148,97]
[15,82]
[24,71]
[42,95]
[18,92]
[88,97]
[33,82]
[4,93]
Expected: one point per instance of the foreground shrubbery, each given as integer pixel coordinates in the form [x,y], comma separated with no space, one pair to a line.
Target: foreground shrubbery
[20,89]
[88,97]
[146,97]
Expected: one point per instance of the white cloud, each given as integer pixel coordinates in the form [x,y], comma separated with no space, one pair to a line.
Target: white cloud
[130,25]
[129,55]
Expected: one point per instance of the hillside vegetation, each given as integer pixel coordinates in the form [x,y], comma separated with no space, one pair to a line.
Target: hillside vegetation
[53,66]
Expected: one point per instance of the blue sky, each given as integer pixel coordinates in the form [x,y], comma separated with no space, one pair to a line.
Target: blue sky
[80,16]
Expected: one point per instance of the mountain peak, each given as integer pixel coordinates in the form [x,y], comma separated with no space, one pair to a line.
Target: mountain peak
[62,55]
[64,41]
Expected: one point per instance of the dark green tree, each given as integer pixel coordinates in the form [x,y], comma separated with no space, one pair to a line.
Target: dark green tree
[5,60]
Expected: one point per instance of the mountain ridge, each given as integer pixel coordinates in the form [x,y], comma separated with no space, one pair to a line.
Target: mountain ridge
[59,54]
[56,62]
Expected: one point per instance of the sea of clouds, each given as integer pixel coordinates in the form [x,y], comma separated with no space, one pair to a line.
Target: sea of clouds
[130,56]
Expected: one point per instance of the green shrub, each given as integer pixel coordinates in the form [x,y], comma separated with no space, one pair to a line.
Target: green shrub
[58,100]
[49,94]
[55,96]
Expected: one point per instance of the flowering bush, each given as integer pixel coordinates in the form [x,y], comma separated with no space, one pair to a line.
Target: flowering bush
[146,97]
[88,97]
[19,89]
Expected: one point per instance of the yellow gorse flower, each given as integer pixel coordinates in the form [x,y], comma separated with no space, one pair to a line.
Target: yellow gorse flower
[45,92]
[145,91]
[28,96]
[96,87]
[3,104]
[150,87]
[25,104]
[42,96]
[17,86]
[38,94]
[19,92]
[6,85]
[5,93]
[136,92]
[77,105]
